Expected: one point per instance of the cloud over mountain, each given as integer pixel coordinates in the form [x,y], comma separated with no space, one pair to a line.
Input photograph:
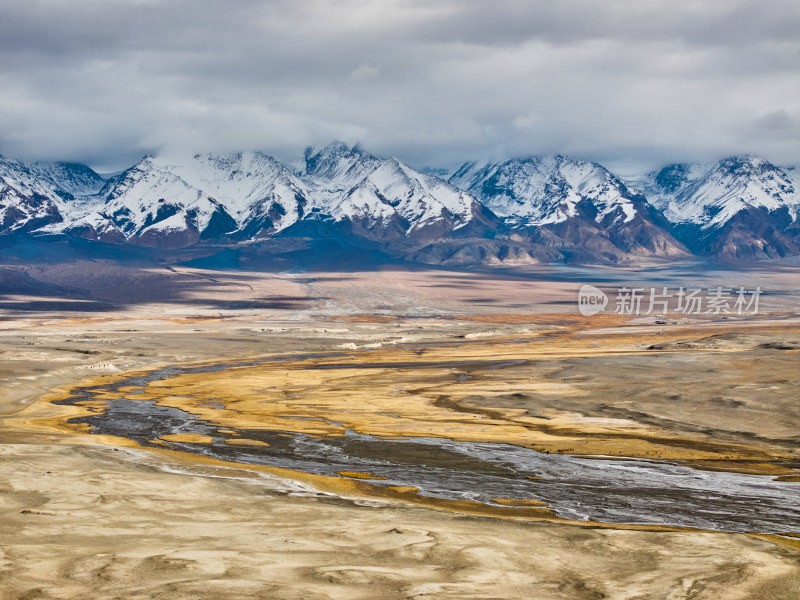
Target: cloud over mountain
[626,83]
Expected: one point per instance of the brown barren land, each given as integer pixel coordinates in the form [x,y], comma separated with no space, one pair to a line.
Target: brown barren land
[390,355]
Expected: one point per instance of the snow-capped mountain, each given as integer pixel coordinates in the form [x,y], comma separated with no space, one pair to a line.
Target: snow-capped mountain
[520,211]
[743,207]
[385,199]
[73,178]
[178,202]
[561,202]
[261,195]
[40,194]
[710,194]
[794,174]
[542,190]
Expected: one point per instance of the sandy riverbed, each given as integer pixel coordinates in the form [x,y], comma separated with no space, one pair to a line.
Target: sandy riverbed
[86,520]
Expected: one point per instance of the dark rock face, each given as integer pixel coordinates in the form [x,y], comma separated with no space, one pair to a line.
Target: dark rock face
[751,234]
[21,212]
[220,225]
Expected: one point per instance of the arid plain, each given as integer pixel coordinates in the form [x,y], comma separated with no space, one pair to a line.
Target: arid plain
[364,368]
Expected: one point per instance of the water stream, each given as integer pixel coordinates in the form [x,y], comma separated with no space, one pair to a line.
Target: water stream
[597,489]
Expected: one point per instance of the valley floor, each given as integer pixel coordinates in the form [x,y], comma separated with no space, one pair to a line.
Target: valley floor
[85,516]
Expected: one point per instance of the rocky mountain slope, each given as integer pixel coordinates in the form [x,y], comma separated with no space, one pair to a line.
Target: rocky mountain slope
[520,211]
[567,205]
[739,207]
[40,194]
[169,203]
[385,199]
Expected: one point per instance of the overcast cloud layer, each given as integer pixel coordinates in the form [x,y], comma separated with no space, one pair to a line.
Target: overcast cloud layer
[628,83]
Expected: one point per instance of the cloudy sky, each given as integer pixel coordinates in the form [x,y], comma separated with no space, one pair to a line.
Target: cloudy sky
[630,83]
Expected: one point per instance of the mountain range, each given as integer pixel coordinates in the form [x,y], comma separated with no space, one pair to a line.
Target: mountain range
[514,212]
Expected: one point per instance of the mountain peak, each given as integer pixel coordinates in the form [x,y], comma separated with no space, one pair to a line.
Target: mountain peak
[710,194]
[553,205]
[544,189]
[333,160]
[740,206]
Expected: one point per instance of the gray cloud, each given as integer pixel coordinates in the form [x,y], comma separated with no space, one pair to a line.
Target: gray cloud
[632,83]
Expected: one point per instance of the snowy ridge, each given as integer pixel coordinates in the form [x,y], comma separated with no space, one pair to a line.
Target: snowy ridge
[710,194]
[538,208]
[207,195]
[78,180]
[794,175]
[333,172]
[542,190]
[350,185]
[58,180]
[25,203]
[243,182]
[151,197]
[40,194]
[15,174]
